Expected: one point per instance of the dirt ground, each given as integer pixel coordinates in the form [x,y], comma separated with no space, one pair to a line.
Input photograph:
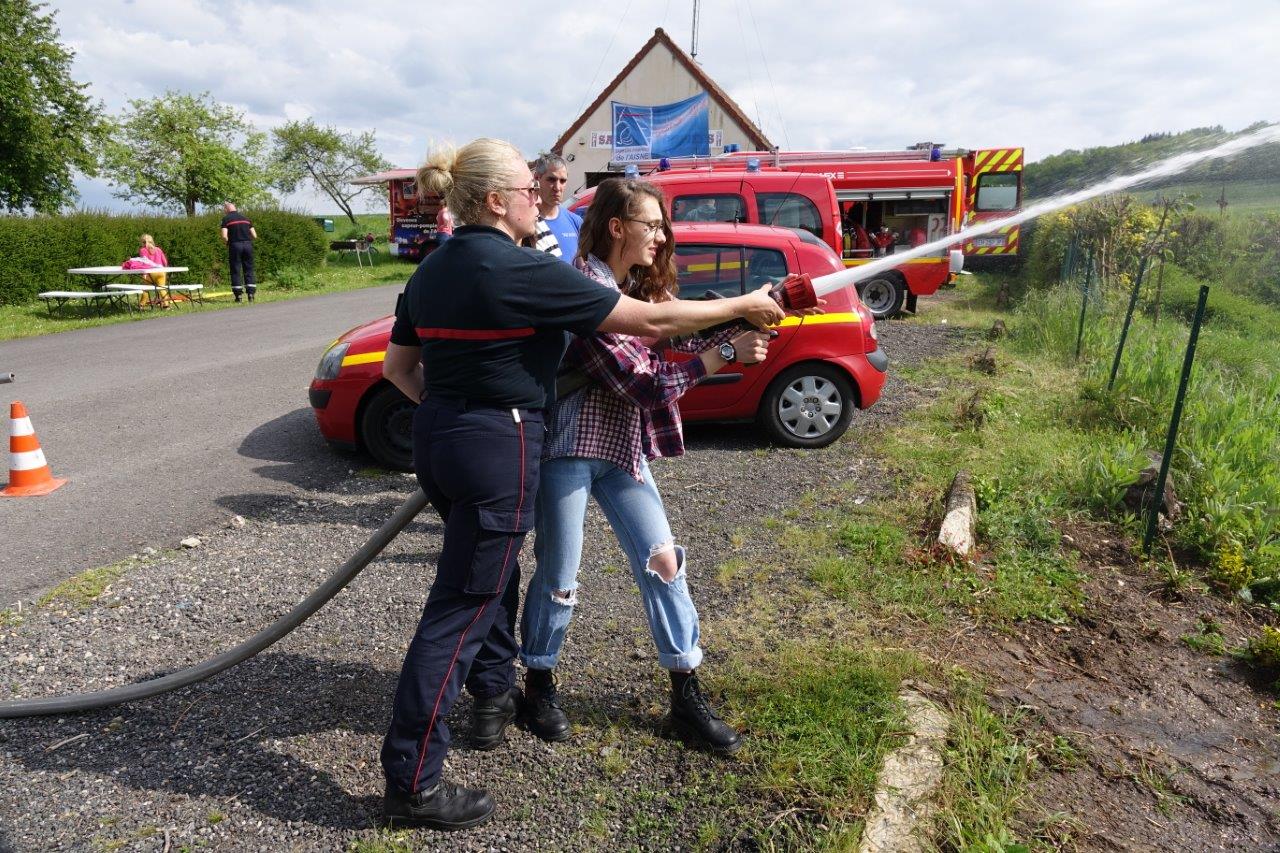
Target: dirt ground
[1173,749]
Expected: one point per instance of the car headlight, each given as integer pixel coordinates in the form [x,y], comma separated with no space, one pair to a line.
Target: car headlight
[331,361]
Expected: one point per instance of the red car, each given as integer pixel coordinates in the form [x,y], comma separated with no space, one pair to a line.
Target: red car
[820,368]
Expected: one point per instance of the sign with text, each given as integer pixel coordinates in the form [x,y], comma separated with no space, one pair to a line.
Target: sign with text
[604,139]
[667,130]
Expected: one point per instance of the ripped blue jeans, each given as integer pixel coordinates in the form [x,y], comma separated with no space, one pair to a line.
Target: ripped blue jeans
[635,512]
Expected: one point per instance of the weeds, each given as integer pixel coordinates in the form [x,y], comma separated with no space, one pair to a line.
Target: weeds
[1227,467]
[823,718]
[82,590]
[1208,639]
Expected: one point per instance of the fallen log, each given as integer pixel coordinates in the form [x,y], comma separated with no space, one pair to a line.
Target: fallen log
[961,516]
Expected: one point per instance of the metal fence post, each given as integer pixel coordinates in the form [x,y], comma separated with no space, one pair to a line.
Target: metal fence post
[1128,316]
[1172,438]
[1084,304]
[1068,261]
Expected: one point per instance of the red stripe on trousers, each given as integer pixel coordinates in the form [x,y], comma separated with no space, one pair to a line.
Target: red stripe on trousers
[435,710]
[475,334]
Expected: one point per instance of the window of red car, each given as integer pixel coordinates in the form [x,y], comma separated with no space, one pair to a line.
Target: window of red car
[790,210]
[726,270]
[711,207]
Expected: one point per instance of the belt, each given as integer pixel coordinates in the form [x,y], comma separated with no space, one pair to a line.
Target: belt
[465,404]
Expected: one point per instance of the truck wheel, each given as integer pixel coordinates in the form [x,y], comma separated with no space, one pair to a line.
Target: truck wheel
[883,297]
[809,405]
[386,428]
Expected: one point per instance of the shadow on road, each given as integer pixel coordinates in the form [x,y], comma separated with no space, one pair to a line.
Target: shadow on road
[706,436]
[305,459]
[223,738]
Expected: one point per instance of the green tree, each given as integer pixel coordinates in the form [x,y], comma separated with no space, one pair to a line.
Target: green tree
[180,150]
[49,128]
[327,159]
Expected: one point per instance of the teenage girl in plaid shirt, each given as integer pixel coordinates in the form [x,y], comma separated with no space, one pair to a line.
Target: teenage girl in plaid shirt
[599,441]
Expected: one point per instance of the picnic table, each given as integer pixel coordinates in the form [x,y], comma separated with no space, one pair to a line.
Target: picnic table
[109,282]
[361,248]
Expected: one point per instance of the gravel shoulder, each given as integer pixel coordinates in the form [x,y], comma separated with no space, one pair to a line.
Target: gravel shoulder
[281,752]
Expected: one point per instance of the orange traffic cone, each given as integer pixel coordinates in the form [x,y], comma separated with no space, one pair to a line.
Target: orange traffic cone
[29,473]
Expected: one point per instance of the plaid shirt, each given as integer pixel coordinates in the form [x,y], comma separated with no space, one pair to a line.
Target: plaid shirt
[628,413]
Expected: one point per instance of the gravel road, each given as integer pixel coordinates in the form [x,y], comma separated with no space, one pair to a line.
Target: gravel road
[281,752]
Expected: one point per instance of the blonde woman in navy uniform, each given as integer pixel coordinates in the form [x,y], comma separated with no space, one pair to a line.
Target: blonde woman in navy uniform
[479,334]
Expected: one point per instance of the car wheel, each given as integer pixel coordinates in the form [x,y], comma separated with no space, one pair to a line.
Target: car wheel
[883,297]
[809,405]
[386,428]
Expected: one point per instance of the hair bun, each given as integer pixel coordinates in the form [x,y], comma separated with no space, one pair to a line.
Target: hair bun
[436,175]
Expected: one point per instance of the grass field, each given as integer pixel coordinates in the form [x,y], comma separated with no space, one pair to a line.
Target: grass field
[368,223]
[1243,197]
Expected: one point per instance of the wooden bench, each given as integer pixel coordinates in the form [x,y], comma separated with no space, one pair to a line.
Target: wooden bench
[58,300]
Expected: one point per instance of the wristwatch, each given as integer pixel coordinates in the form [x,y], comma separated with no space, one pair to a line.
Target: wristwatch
[728,353]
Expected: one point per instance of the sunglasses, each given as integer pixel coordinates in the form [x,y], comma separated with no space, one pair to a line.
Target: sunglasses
[532,189]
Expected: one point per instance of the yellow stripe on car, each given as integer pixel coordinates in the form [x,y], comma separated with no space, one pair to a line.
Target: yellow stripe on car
[857,262]
[819,319]
[363,358]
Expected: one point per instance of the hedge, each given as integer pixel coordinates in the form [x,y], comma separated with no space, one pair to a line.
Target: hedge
[38,250]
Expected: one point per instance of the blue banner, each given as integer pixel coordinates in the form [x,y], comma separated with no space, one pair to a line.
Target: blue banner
[667,130]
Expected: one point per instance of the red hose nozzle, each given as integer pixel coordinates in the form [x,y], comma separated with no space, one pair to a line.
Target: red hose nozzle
[795,292]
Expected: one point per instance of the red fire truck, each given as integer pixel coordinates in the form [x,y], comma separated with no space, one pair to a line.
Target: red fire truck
[910,197]
[413,216]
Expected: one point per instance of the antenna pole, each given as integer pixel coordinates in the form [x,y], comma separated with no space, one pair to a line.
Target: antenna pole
[693,41]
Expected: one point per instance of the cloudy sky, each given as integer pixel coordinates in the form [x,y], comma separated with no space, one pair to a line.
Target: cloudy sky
[1049,76]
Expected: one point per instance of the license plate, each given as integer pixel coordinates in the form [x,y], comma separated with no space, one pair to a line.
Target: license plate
[988,242]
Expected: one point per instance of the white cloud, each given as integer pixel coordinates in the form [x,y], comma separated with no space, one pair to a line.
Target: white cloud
[817,74]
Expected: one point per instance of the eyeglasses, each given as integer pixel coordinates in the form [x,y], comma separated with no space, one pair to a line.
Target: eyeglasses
[532,189]
[650,228]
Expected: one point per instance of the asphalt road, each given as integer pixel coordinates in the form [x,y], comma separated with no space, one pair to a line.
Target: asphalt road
[167,427]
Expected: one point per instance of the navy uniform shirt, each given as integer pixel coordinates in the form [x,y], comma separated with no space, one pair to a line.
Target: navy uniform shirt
[491,316]
[238,227]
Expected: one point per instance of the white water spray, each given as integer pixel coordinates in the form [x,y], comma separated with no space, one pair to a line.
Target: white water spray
[1172,166]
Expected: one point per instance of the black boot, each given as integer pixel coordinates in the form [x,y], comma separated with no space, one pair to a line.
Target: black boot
[542,714]
[490,717]
[442,806]
[251,294]
[693,718]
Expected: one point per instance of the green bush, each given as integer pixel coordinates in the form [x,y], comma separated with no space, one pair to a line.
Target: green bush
[38,250]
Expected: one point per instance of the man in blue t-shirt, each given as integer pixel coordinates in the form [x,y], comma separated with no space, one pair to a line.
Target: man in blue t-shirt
[552,173]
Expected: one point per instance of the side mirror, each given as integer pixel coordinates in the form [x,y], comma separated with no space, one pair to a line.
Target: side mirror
[957,261]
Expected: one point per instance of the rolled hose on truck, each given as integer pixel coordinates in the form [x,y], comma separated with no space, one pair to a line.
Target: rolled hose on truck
[267,636]
[794,293]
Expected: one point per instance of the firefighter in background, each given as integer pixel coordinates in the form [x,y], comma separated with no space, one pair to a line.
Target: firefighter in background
[883,240]
[238,233]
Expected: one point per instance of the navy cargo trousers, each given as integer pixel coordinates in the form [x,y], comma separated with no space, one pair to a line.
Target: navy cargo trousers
[479,467]
[240,266]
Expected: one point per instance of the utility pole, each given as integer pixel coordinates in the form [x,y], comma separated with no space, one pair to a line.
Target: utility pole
[693,42]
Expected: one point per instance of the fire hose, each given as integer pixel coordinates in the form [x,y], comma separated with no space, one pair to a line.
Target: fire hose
[796,292]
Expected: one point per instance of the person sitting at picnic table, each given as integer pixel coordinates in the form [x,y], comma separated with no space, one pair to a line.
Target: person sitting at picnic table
[149,255]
